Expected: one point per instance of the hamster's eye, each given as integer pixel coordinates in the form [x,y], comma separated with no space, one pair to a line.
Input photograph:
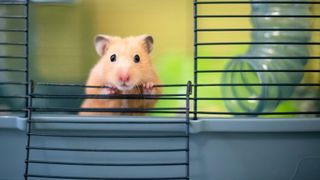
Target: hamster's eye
[136,58]
[113,58]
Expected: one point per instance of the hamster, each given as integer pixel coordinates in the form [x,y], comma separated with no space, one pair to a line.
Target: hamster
[126,67]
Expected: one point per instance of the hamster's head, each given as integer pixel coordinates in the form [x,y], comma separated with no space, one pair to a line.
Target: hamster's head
[126,61]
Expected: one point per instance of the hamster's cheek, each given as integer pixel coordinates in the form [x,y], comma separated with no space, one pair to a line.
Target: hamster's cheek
[135,81]
[110,76]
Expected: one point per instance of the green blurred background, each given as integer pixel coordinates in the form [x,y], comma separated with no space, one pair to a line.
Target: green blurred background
[63,36]
[64,33]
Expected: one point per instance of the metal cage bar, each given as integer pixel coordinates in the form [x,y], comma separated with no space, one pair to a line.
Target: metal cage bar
[14,58]
[35,131]
[236,74]
[195,69]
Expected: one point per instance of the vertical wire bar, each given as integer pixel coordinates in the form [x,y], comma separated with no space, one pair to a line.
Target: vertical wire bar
[189,90]
[29,90]
[29,110]
[27,77]
[195,27]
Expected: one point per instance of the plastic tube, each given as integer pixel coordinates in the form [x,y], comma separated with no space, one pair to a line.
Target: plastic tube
[269,50]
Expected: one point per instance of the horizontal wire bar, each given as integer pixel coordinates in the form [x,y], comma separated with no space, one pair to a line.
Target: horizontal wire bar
[256,43]
[13,57]
[15,96]
[257,98]
[257,16]
[13,83]
[13,17]
[90,86]
[257,70]
[105,150]
[140,96]
[14,3]
[13,70]
[104,178]
[257,57]
[170,85]
[82,96]
[13,44]
[105,164]
[257,113]
[106,136]
[258,2]
[260,84]
[121,110]
[113,109]
[75,97]
[110,122]
[269,84]
[253,29]
[102,110]
[13,110]
[13,30]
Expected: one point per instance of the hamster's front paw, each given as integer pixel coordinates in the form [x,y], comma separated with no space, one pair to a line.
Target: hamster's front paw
[109,90]
[148,88]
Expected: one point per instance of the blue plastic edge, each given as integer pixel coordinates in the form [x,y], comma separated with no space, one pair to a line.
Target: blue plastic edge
[244,125]
[255,125]
[13,123]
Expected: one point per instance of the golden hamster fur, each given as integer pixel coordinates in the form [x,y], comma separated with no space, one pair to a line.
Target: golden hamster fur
[125,65]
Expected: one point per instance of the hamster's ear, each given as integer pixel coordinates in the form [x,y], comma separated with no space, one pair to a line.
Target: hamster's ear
[147,42]
[101,43]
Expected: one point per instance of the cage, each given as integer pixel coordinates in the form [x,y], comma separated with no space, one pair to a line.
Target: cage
[252,111]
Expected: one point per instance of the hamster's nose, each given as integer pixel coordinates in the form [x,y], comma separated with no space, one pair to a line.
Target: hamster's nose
[124,77]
